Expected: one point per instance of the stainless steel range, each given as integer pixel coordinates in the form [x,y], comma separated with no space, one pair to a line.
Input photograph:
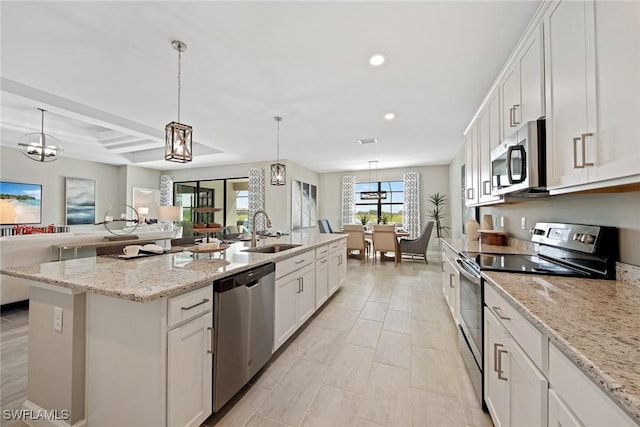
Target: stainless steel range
[575,250]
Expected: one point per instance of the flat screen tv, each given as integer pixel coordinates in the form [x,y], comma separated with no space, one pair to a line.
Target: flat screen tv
[20,203]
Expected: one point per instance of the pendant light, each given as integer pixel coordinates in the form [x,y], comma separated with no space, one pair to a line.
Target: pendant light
[178,136]
[41,147]
[373,195]
[278,170]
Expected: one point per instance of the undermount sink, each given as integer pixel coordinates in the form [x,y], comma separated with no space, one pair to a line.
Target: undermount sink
[272,249]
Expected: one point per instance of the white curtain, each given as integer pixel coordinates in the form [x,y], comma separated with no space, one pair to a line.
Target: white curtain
[412,203]
[256,197]
[348,200]
[166,190]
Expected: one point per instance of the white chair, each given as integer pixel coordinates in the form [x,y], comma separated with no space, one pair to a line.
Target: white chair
[384,240]
[356,241]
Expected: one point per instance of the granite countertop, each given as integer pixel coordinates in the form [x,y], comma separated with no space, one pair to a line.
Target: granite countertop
[465,245]
[148,278]
[592,322]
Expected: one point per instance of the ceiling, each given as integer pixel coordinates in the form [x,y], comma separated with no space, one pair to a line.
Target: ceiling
[107,74]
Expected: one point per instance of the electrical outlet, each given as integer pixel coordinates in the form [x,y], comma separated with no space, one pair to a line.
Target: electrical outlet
[524,223]
[502,221]
[57,319]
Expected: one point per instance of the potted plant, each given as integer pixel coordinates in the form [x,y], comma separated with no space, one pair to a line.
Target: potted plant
[364,219]
[384,218]
[437,214]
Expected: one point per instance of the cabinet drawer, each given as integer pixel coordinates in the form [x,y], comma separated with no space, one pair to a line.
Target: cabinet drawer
[322,251]
[338,245]
[527,336]
[294,263]
[590,404]
[448,252]
[190,305]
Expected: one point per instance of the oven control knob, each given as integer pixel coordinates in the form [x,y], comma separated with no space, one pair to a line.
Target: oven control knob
[590,239]
[584,238]
[577,236]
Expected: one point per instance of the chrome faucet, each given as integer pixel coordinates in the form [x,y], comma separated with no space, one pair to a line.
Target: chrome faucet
[253,232]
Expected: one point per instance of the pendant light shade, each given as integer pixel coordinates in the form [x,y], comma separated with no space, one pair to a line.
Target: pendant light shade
[373,194]
[278,170]
[41,147]
[178,136]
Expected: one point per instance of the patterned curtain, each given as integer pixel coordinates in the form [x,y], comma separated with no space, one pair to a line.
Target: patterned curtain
[348,200]
[256,197]
[166,190]
[412,203]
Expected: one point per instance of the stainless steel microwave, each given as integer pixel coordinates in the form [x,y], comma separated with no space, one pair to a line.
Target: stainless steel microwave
[518,164]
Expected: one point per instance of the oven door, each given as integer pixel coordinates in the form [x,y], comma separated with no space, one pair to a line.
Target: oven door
[471,321]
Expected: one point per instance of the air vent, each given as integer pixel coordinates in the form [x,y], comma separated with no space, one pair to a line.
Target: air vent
[368,141]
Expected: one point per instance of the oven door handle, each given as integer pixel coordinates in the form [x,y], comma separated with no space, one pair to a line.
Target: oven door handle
[466,273]
[523,164]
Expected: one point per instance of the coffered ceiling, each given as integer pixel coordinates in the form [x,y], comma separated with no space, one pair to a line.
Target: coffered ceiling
[107,74]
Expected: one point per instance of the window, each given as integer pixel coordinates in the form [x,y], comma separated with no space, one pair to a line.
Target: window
[242,207]
[390,205]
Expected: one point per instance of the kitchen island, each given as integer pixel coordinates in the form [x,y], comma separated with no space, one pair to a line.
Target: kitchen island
[104,358]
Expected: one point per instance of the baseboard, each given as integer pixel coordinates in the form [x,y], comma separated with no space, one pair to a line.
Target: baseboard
[38,413]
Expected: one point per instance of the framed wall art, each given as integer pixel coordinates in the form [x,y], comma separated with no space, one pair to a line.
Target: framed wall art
[304,202]
[80,201]
[21,203]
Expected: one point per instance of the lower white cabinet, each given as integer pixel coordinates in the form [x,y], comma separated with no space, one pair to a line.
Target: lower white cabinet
[294,302]
[189,372]
[337,265]
[515,389]
[322,280]
[451,284]
[559,414]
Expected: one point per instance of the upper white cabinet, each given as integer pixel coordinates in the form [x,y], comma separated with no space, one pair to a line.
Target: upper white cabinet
[489,138]
[471,166]
[593,81]
[522,87]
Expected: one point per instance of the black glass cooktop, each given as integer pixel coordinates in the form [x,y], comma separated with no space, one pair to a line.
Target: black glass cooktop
[516,263]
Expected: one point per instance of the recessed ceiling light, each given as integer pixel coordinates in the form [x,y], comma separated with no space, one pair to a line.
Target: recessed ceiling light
[367,141]
[376,60]
[389,116]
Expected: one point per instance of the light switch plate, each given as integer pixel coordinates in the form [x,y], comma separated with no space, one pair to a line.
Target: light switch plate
[524,223]
[57,319]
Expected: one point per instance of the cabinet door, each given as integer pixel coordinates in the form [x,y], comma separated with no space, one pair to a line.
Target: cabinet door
[527,389]
[489,138]
[559,414]
[285,320]
[305,303]
[322,281]
[531,67]
[189,372]
[334,272]
[570,83]
[342,266]
[496,385]
[618,74]
[471,166]
[510,100]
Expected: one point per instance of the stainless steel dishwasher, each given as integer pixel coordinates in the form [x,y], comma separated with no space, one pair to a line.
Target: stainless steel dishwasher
[243,329]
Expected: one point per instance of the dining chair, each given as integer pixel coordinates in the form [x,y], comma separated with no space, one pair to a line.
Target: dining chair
[417,247]
[356,240]
[384,240]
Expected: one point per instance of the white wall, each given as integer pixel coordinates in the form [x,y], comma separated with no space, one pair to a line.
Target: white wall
[433,179]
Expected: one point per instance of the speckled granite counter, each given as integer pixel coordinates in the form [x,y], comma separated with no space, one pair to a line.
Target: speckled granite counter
[514,247]
[593,322]
[149,278]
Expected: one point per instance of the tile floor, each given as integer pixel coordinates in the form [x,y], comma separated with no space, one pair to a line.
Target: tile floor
[382,352]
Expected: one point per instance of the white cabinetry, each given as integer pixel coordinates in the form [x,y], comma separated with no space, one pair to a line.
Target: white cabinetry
[522,87]
[489,138]
[592,72]
[294,295]
[515,387]
[471,166]
[189,372]
[322,275]
[337,265]
[451,282]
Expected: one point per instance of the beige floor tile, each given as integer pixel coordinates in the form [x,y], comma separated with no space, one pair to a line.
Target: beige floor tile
[430,372]
[374,311]
[394,349]
[350,369]
[332,407]
[365,333]
[380,296]
[425,313]
[364,423]
[431,409]
[477,417]
[260,421]
[352,301]
[427,334]
[338,318]
[322,345]
[242,408]
[400,303]
[397,321]
[359,288]
[402,289]
[277,367]
[387,400]
[423,296]
[291,398]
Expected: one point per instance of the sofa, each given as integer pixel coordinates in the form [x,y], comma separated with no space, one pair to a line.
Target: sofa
[29,249]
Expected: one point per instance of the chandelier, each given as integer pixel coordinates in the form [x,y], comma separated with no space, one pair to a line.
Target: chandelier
[373,194]
[40,146]
[178,136]
[278,170]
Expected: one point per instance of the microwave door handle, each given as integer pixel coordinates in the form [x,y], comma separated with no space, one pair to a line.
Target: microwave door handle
[523,160]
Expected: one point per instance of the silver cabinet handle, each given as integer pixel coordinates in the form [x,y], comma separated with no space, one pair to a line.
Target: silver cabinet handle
[451,280]
[300,262]
[498,311]
[511,118]
[204,301]
[323,261]
[584,153]
[302,284]
[495,356]
[299,285]
[515,123]
[575,154]
[484,188]
[499,357]
[210,351]
[470,193]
